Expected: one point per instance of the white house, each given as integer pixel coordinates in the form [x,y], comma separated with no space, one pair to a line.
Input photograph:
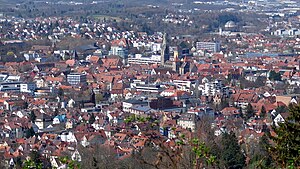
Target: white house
[187,121]
[278,119]
[68,137]
[76,156]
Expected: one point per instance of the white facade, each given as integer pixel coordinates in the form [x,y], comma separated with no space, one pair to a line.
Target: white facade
[286,32]
[40,83]
[187,121]
[27,87]
[139,59]
[68,137]
[210,46]
[76,79]
[278,119]
[213,88]
[185,85]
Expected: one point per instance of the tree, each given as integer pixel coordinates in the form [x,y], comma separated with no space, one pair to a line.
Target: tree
[274,76]
[286,148]
[32,116]
[92,119]
[35,161]
[231,154]
[71,164]
[203,154]
[99,97]
[158,154]
[60,92]
[260,157]
[56,112]
[281,109]
[100,156]
[29,132]
[18,162]
[263,112]
[10,53]
[249,112]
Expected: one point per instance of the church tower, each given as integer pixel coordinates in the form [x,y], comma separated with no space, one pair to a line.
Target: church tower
[176,62]
[165,51]
[75,55]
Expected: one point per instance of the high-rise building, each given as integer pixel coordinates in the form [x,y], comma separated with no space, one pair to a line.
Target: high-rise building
[119,51]
[165,50]
[210,46]
[76,79]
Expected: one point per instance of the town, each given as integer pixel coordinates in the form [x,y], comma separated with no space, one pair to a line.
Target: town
[84,93]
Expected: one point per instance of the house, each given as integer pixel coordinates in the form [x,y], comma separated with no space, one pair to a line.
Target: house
[70,124]
[230,112]
[59,119]
[187,121]
[117,91]
[114,117]
[112,63]
[202,111]
[68,137]
[140,110]
[43,121]
[242,99]
[280,118]
[76,156]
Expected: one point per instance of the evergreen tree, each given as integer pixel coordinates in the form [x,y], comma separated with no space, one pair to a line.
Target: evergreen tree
[29,133]
[249,112]
[56,112]
[286,148]
[231,154]
[60,92]
[92,119]
[98,98]
[32,116]
[281,109]
[274,76]
[260,158]
[263,112]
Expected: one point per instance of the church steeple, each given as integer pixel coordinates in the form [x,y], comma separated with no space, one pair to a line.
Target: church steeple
[75,55]
[176,61]
[165,51]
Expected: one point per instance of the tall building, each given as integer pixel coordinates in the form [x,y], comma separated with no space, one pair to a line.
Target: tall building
[210,46]
[119,51]
[165,50]
[120,48]
[76,79]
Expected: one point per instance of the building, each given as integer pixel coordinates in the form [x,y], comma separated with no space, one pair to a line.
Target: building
[187,121]
[148,88]
[214,87]
[187,85]
[165,50]
[27,87]
[209,46]
[76,79]
[127,104]
[119,51]
[43,121]
[120,48]
[286,32]
[10,86]
[140,110]
[140,59]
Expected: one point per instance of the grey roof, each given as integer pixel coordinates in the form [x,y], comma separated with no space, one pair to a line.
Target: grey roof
[134,101]
[141,108]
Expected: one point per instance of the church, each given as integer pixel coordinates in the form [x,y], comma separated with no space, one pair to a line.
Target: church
[181,64]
